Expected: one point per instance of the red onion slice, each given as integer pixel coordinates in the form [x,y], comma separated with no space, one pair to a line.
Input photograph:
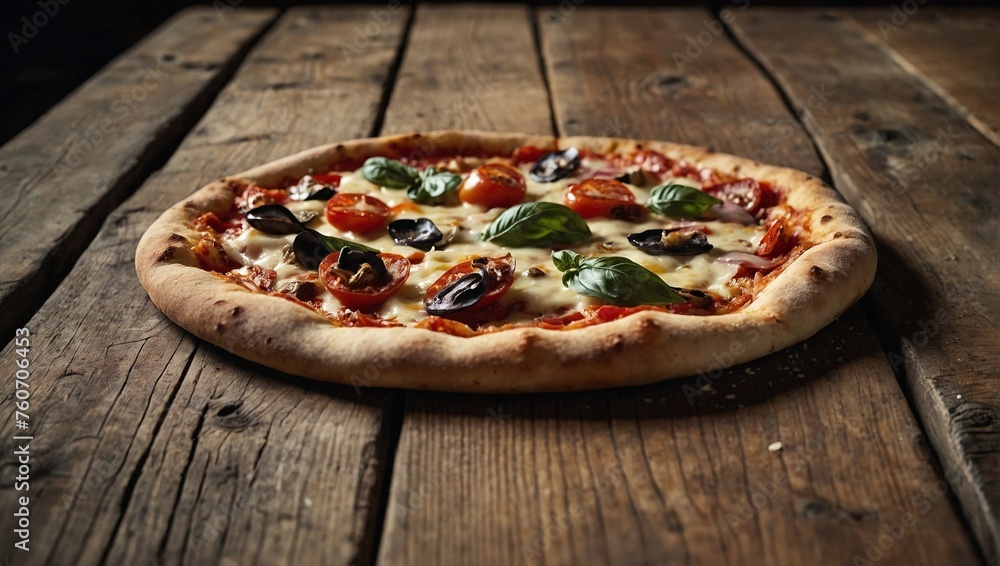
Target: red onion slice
[749,260]
[730,212]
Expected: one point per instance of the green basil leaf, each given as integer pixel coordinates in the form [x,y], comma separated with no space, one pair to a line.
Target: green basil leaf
[389,173]
[537,224]
[434,187]
[335,244]
[617,280]
[680,201]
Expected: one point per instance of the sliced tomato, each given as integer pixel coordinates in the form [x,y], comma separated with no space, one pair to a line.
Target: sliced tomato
[330,179]
[397,266]
[210,220]
[559,322]
[775,241]
[352,212]
[501,274]
[528,154]
[493,185]
[439,324]
[252,196]
[743,192]
[600,197]
[212,256]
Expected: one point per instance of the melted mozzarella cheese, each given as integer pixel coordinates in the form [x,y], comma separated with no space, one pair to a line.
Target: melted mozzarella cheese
[535,296]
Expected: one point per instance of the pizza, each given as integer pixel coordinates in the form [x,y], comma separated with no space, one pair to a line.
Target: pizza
[485,262]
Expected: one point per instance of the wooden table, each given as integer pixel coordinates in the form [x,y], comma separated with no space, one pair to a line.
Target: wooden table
[150,446]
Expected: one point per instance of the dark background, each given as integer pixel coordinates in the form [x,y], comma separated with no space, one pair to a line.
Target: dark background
[84,35]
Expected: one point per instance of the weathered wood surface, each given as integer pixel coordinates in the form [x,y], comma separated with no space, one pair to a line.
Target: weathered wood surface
[469,65]
[669,473]
[956,52]
[925,181]
[64,174]
[152,447]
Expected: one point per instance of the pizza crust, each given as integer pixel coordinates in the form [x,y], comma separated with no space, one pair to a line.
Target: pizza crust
[641,348]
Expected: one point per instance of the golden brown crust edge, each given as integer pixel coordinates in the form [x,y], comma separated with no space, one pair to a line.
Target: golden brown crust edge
[638,349]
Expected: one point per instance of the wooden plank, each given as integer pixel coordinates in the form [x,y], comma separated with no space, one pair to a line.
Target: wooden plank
[452,75]
[955,52]
[100,142]
[671,473]
[150,446]
[925,181]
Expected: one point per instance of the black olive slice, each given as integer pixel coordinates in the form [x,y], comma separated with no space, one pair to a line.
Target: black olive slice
[556,165]
[309,250]
[311,190]
[274,219]
[352,260]
[322,194]
[461,294]
[676,241]
[420,233]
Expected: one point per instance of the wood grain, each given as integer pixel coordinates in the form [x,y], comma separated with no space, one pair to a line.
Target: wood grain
[678,471]
[101,141]
[924,179]
[956,52]
[453,74]
[151,447]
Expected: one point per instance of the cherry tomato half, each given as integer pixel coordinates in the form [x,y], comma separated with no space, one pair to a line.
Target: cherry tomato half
[352,212]
[501,274]
[253,196]
[775,242]
[493,185]
[330,179]
[744,192]
[397,266]
[599,197]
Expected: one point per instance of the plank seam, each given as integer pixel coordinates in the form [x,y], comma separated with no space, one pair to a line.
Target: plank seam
[985,130]
[536,36]
[57,263]
[388,444]
[887,336]
[892,342]
[390,80]
[800,113]
[133,479]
